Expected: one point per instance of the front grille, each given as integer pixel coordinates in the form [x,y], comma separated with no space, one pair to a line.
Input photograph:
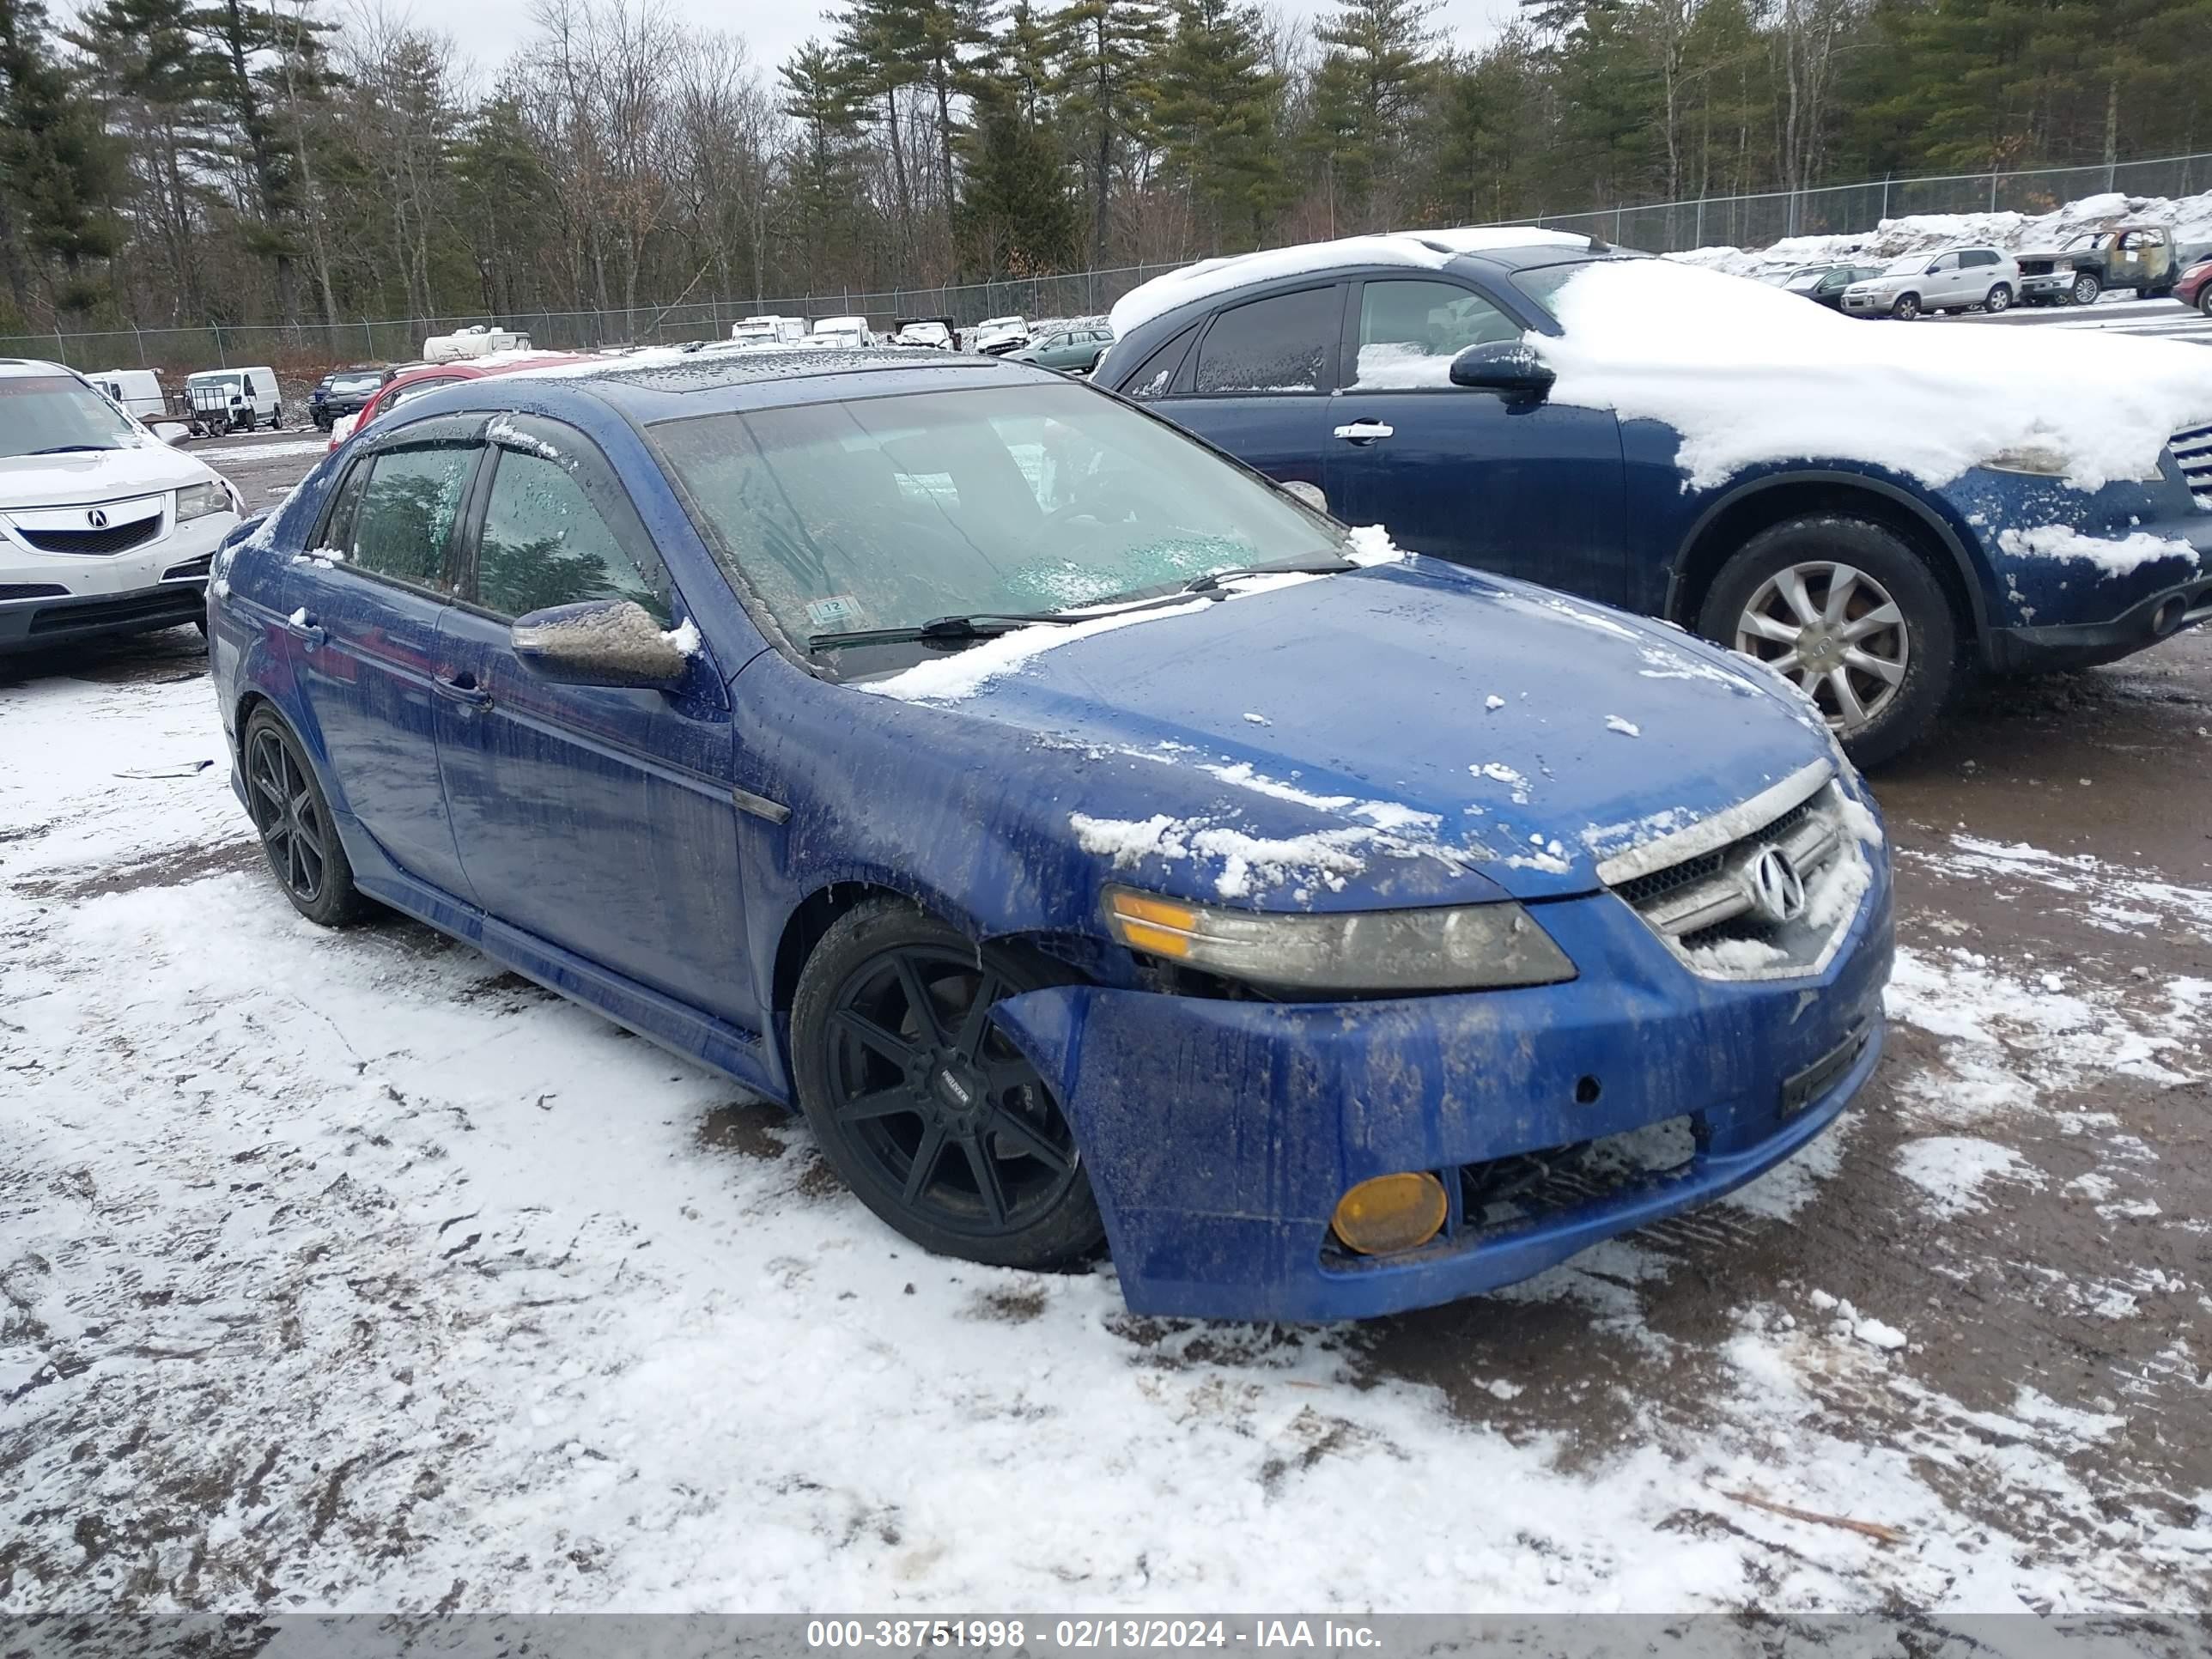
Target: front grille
[154,610]
[190,569]
[1706,906]
[112,538]
[2192,453]
[31,589]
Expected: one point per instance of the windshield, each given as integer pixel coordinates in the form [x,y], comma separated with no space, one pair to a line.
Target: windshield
[55,414]
[1805,280]
[1542,282]
[1910,265]
[356,382]
[890,512]
[2089,239]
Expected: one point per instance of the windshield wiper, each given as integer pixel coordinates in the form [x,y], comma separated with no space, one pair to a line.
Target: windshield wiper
[982,625]
[74,449]
[1316,567]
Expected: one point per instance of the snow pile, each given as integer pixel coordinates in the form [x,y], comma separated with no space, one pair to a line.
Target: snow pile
[2189,218]
[1425,250]
[2114,558]
[1748,375]
[1952,1170]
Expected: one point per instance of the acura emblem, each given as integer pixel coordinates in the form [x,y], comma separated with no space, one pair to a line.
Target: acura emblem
[1776,890]
[97,519]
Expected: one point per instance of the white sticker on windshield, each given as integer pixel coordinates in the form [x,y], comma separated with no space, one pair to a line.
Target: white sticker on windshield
[837,608]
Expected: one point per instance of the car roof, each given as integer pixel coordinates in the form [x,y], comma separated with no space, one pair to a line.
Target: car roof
[18,368]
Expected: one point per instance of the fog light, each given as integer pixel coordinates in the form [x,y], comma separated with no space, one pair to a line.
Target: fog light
[1390,1213]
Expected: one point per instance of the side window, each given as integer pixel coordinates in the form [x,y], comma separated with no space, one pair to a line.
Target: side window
[404,516]
[1948,262]
[1157,377]
[1410,331]
[1980,256]
[1278,344]
[544,543]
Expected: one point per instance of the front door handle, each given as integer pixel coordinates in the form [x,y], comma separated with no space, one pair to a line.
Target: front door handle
[304,627]
[1365,432]
[461,688]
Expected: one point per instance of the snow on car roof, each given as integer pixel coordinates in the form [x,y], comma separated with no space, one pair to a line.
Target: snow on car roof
[1428,250]
[1750,374]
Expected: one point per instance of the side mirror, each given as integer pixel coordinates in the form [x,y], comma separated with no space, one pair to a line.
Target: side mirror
[1505,365]
[1311,493]
[612,642]
[170,433]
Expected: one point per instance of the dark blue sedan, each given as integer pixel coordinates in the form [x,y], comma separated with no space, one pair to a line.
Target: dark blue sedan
[1411,377]
[1101,847]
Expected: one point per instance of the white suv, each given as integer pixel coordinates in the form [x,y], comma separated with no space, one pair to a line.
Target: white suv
[104,529]
[1956,279]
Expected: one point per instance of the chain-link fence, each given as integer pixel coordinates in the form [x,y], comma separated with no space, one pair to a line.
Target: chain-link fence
[178,351]
[1659,228]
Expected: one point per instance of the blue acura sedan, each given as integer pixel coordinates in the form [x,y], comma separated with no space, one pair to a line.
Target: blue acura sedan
[1875,514]
[1101,847]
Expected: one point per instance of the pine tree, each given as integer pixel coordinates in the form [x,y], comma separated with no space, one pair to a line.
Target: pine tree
[1106,50]
[1017,217]
[1216,115]
[822,96]
[1366,95]
[59,170]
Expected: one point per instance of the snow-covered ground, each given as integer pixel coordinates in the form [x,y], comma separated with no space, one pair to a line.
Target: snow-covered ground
[345,1272]
[2189,218]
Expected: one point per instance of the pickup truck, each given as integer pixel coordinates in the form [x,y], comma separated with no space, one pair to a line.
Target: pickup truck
[2139,256]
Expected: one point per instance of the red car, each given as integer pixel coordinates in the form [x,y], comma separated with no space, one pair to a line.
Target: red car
[2194,287]
[416,381]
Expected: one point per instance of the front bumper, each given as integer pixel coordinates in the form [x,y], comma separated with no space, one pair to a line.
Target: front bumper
[1220,1135]
[1877,304]
[59,599]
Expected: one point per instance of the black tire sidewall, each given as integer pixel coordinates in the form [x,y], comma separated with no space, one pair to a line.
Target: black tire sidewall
[1932,627]
[340,901]
[1068,1233]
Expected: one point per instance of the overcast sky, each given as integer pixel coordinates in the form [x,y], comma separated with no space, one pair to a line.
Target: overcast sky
[485,30]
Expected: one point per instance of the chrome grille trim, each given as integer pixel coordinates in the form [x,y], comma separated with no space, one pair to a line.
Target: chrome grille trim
[1723,828]
[2191,449]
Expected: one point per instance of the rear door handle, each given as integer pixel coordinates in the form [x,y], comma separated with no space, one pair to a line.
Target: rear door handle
[1365,432]
[302,627]
[461,688]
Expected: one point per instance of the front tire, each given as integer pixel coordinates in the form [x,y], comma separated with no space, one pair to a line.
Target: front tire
[298,836]
[2086,287]
[2000,300]
[1849,610]
[1908,308]
[926,1110]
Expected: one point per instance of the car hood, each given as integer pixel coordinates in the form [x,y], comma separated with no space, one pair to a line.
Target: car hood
[104,476]
[1409,733]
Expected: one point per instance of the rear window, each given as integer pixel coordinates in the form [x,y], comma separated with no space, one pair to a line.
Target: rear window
[1282,343]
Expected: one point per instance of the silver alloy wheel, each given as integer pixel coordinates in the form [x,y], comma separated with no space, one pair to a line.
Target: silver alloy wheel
[1836,632]
[2000,299]
[2086,287]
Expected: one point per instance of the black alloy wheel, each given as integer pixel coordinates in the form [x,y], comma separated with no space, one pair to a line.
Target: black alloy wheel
[293,822]
[924,1106]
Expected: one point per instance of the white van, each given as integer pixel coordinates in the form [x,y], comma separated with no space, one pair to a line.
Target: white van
[769,330]
[477,341]
[848,331]
[239,399]
[136,391]
[104,529]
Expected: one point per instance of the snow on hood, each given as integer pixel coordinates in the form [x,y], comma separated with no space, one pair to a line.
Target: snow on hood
[1423,250]
[1749,374]
[143,466]
[1410,732]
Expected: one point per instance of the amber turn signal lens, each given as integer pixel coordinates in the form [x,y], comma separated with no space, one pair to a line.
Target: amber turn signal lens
[1144,923]
[1391,1213]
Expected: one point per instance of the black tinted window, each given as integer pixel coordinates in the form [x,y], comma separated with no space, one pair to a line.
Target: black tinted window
[405,513]
[1157,375]
[545,544]
[1279,345]
[1981,256]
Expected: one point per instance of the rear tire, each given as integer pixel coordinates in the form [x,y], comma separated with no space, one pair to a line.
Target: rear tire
[1875,641]
[926,1110]
[2000,300]
[299,838]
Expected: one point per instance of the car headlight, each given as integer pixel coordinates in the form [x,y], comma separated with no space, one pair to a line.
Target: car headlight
[1459,948]
[198,501]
